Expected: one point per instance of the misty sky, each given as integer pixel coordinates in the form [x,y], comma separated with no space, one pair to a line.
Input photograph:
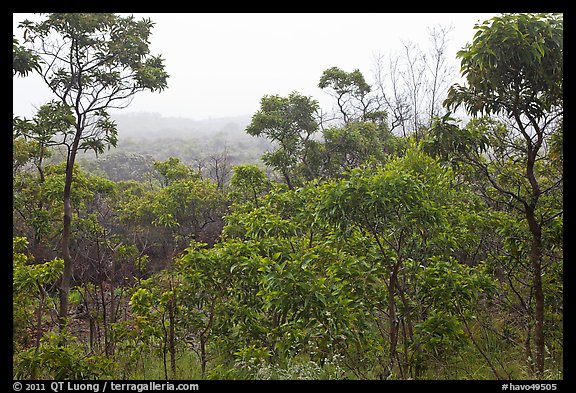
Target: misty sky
[222,64]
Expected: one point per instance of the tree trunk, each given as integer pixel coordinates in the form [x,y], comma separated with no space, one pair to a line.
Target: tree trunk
[66,230]
[536,250]
[287,178]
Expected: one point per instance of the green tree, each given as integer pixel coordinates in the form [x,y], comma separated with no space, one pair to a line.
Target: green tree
[31,283]
[394,207]
[207,284]
[351,92]
[295,291]
[167,218]
[290,124]
[32,140]
[37,205]
[452,293]
[401,209]
[23,60]
[51,120]
[514,68]
[248,183]
[91,62]
[170,170]
[154,304]
[353,145]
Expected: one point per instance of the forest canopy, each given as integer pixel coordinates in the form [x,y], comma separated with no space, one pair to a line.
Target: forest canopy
[408,235]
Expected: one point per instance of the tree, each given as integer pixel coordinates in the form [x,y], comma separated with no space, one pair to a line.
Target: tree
[439,72]
[395,208]
[171,170]
[354,144]
[32,142]
[205,291]
[23,60]
[350,90]
[289,122]
[410,86]
[188,208]
[92,62]
[248,183]
[219,168]
[30,283]
[51,119]
[513,68]
[295,291]
[155,305]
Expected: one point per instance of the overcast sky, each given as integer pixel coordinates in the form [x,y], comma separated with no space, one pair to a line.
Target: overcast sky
[222,64]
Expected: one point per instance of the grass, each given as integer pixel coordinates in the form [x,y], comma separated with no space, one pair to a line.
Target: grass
[151,367]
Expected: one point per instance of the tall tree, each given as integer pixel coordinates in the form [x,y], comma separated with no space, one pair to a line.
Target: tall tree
[392,207]
[92,62]
[248,183]
[410,86]
[514,68]
[350,90]
[288,122]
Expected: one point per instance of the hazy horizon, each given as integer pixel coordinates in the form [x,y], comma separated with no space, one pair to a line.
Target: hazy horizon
[221,65]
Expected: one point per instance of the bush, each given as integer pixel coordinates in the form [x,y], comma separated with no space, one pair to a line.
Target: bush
[60,357]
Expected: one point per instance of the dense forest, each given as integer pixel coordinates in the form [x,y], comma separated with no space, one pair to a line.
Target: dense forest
[415,231]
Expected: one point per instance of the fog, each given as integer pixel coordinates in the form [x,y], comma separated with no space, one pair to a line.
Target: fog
[221,65]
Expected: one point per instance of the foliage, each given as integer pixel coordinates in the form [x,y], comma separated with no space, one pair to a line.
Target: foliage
[353,145]
[56,360]
[248,183]
[170,170]
[91,62]
[289,123]
[375,257]
[350,90]
[31,284]
[514,68]
[512,59]
[23,60]
[28,276]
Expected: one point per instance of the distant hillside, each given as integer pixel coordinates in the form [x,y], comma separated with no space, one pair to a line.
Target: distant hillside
[153,125]
[145,137]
